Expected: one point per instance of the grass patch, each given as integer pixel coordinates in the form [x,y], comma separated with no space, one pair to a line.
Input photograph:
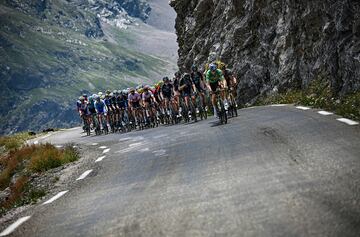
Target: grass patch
[13,142]
[19,164]
[318,95]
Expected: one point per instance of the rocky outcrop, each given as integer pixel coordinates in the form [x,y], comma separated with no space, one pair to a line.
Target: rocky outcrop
[274,45]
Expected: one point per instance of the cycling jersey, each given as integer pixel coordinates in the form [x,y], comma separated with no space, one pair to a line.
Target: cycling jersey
[78,105]
[91,106]
[83,108]
[121,101]
[176,84]
[214,78]
[100,107]
[166,90]
[186,84]
[197,80]
[146,96]
[134,99]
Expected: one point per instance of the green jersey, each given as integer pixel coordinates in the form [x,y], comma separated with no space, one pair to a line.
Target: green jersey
[217,76]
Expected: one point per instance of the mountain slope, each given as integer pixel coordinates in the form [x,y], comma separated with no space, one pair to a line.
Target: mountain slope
[52,51]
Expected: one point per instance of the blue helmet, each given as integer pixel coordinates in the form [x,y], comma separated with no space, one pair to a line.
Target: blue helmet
[213,67]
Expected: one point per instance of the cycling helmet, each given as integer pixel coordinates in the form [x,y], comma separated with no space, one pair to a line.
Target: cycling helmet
[228,71]
[213,67]
[96,97]
[212,57]
[115,92]
[103,97]
[81,98]
[132,89]
[177,74]
[186,75]
[108,91]
[194,68]
[111,94]
[146,87]
[125,92]
[85,96]
[100,94]
[91,98]
[165,79]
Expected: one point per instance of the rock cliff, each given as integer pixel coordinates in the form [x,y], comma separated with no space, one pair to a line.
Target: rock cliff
[274,45]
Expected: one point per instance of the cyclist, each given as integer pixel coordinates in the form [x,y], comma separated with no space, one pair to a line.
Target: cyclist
[176,81]
[167,92]
[92,111]
[101,110]
[149,100]
[214,80]
[134,100]
[186,86]
[199,83]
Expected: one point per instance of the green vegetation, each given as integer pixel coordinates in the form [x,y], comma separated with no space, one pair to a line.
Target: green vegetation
[318,95]
[10,143]
[21,162]
[51,60]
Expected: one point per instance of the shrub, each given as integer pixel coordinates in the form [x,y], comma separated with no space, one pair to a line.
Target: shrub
[45,158]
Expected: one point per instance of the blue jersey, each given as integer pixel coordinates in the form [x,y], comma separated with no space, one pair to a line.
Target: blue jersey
[100,107]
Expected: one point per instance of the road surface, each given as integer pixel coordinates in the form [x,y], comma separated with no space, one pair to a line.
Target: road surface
[273,171]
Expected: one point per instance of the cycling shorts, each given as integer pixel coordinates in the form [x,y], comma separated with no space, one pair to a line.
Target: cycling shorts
[136,104]
[186,92]
[214,86]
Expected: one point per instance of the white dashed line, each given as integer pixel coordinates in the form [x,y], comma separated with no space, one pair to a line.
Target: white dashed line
[159,152]
[14,225]
[135,144]
[83,176]
[103,147]
[57,196]
[106,150]
[347,121]
[325,113]
[302,108]
[36,142]
[94,144]
[100,158]
[58,146]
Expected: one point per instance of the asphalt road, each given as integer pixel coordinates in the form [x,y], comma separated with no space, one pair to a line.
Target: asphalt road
[273,171]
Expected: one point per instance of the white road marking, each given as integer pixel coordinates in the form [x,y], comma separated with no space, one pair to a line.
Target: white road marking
[58,146]
[135,139]
[145,149]
[106,150]
[83,176]
[36,142]
[94,144]
[302,108]
[74,146]
[135,144]
[278,105]
[160,136]
[103,147]
[159,152]
[124,139]
[57,196]
[100,158]
[14,225]
[347,121]
[325,113]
